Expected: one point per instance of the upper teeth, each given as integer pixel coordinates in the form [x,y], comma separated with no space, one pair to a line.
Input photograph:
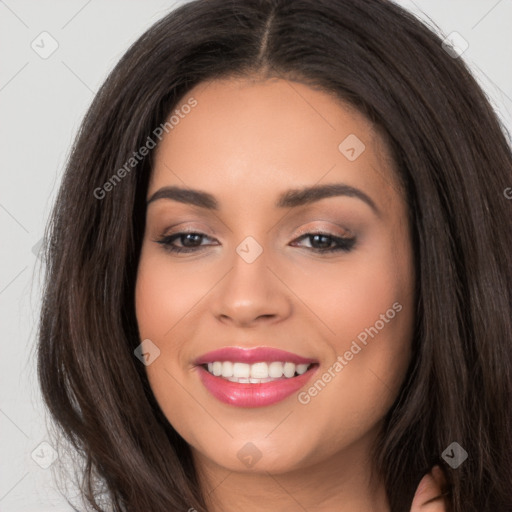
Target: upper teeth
[274,369]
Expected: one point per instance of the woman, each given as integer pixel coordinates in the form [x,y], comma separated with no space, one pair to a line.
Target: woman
[280,270]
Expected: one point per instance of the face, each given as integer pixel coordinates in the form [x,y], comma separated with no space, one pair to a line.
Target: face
[270,260]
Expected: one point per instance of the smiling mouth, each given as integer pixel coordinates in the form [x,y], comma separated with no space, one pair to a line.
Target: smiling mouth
[256,373]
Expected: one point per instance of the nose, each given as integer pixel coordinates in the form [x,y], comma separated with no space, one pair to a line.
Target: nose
[251,294]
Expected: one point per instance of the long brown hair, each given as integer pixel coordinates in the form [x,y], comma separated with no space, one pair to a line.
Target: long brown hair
[455,164]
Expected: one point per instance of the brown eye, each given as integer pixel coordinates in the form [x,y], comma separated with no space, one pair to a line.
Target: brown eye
[323,242]
[190,241]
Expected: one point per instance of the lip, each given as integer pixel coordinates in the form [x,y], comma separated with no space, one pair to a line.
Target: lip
[252,355]
[253,395]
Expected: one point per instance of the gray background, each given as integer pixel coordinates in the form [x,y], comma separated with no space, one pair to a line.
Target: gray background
[42,102]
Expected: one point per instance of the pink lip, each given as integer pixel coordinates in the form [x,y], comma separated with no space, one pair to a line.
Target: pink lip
[251,355]
[253,395]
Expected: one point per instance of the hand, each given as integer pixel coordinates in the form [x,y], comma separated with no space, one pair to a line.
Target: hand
[428,497]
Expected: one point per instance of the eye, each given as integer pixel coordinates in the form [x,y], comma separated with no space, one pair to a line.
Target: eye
[190,242]
[323,242]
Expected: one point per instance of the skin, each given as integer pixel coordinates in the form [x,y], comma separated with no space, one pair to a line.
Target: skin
[247,141]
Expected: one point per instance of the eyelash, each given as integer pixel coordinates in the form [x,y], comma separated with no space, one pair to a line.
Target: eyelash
[344,244]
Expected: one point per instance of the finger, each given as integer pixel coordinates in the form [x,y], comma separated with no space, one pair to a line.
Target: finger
[429,494]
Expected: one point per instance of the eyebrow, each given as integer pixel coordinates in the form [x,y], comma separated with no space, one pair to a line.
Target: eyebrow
[289,199]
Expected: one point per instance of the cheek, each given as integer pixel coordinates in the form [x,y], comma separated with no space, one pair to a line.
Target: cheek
[345,298]
[166,293]
[163,297]
[170,304]
[164,300]
[367,298]
[365,307]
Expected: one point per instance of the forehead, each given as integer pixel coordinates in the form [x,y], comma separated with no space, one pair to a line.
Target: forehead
[255,137]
